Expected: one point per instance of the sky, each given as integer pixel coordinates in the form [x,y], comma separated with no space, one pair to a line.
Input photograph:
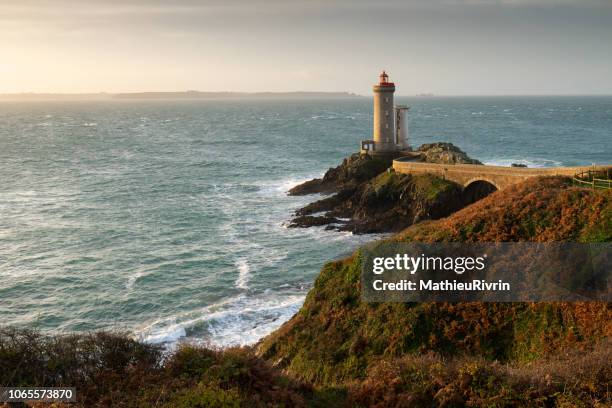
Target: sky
[445,47]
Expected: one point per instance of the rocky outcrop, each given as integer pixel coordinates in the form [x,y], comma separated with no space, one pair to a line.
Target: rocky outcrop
[358,168]
[369,198]
[354,169]
[444,153]
[387,203]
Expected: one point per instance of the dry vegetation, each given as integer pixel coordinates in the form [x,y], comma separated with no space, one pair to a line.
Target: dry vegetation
[337,339]
[112,370]
[542,209]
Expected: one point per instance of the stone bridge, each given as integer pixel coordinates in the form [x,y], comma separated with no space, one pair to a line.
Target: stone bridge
[468,174]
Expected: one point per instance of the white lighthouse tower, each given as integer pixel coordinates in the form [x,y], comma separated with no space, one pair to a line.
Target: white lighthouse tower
[401,127]
[390,133]
[384,123]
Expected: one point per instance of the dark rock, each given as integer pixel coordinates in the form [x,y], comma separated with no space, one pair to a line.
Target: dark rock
[444,153]
[313,186]
[325,204]
[389,202]
[518,165]
[353,170]
[306,221]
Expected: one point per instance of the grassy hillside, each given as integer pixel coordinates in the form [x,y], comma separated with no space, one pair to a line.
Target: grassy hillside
[542,209]
[336,338]
[112,370]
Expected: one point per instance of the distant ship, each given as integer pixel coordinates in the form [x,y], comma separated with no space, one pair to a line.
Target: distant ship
[426,95]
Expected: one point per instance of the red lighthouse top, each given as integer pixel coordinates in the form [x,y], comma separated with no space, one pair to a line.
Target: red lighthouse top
[384,80]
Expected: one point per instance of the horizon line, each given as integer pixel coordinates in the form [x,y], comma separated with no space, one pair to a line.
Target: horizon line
[425,95]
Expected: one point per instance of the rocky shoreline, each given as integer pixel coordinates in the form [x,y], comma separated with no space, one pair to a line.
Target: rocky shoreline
[364,195]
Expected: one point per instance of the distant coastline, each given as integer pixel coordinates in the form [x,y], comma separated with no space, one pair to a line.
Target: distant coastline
[175,95]
[199,95]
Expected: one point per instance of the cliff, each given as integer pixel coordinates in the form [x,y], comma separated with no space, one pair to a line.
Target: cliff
[338,339]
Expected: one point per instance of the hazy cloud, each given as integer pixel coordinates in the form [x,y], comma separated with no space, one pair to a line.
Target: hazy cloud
[442,46]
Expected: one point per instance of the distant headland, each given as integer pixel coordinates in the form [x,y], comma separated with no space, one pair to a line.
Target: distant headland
[175,95]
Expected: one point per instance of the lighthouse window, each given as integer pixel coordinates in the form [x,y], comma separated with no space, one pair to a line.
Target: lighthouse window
[386,113]
[386,126]
[386,99]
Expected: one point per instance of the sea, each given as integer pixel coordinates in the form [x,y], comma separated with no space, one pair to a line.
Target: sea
[168,219]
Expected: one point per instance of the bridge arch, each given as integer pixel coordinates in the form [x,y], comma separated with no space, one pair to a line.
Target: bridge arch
[481,179]
[477,188]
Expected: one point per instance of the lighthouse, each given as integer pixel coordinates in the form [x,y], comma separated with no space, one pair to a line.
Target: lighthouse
[390,130]
[384,129]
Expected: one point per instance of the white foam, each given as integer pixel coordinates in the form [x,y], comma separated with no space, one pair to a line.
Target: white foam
[243,274]
[282,186]
[529,162]
[170,334]
[132,279]
[247,324]
[240,320]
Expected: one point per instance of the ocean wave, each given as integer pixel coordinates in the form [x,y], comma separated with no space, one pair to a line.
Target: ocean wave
[329,117]
[243,274]
[129,285]
[277,187]
[241,320]
[282,186]
[529,162]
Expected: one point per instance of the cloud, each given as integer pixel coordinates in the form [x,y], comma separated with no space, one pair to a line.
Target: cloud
[320,44]
[536,3]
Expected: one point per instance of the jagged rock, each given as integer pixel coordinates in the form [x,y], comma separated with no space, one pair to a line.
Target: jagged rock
[353,170]
[444,153]
[388,202]
[306,221]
